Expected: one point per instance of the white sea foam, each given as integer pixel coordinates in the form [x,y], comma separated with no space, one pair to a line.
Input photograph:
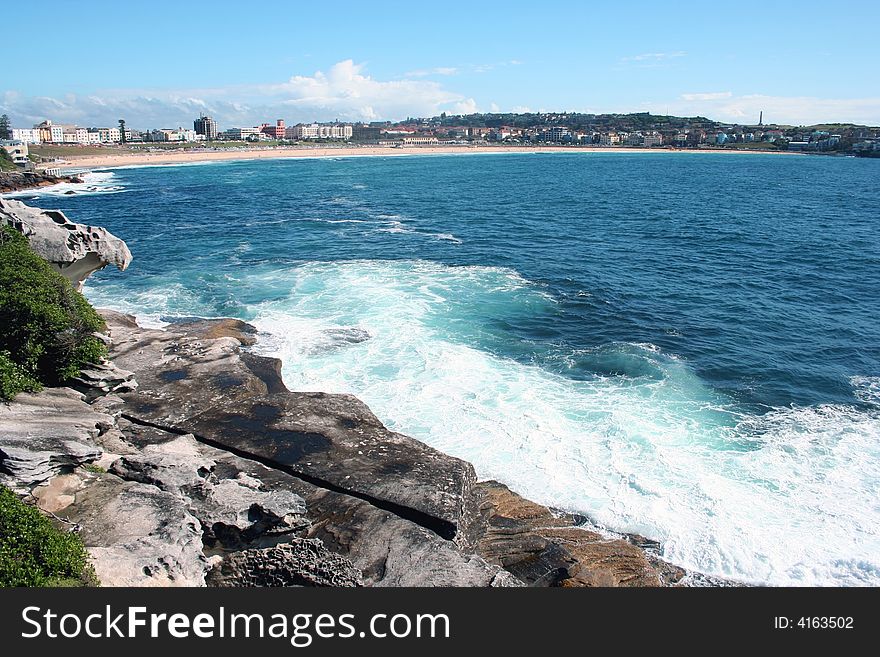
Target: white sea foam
[784,498]
[867,389]
[448,237]
[94,182]
[394,226]
[150,306]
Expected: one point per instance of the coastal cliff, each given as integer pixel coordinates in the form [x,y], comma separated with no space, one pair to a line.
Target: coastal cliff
[73,250]
[184,460]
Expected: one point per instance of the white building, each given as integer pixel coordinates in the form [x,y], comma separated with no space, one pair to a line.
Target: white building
[72,134]
[169,134]
[241,134]
[108,135]
[26,135]
[16,149]
[419,141]
[652,140]
[318,131]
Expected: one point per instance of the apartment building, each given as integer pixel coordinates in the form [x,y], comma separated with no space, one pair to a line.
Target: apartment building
[319,131]
[206,126]
[26,135]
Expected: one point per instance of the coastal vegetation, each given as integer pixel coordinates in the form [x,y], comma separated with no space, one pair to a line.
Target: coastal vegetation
[33,552]
[6,163]
[48,327]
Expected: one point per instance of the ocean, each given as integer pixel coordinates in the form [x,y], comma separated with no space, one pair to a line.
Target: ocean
[680,345]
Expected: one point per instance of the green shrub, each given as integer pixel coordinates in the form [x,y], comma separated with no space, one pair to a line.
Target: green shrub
[33,552]
[13,379]
[6,163]
[46,326]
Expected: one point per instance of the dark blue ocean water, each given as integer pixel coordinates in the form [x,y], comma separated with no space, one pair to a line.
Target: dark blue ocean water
[684,345]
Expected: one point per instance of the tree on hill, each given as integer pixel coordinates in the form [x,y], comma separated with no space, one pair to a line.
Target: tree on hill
[5,127]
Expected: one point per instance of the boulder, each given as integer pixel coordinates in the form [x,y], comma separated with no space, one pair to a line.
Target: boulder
[74,250]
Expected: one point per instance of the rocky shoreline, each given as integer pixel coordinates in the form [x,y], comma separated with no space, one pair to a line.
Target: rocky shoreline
[184,460]
[16,181]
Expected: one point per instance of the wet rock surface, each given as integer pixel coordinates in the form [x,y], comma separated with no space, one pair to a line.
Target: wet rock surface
[546,548]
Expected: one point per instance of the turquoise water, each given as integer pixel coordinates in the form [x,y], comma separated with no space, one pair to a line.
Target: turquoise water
[685,346]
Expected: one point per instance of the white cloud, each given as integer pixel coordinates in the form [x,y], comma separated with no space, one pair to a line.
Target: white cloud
[439,70]
[344,91]
[790,110]
[653,58]
[717,95]
[468,106]
[485,68]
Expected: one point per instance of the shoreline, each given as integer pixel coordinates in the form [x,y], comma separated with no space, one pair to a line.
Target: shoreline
[282,153]
[12,182]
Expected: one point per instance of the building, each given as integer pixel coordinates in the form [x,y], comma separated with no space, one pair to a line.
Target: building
[71,134]
[364,132]
[169,134]
[301,131]
[319,131]
[26,135]
[111,135]
[240,134]
[17,150]
[205,125]
[479,133]
[274,131]
[556,134]
[420,141]
[49,132]
[652,140]
[609,139]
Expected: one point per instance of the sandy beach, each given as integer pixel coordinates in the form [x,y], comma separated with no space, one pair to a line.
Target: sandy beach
[87,161]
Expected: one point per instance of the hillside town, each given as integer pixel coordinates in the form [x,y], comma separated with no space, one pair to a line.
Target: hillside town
[639,130]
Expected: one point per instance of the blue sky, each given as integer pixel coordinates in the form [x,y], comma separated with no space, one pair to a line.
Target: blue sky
[799,62]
